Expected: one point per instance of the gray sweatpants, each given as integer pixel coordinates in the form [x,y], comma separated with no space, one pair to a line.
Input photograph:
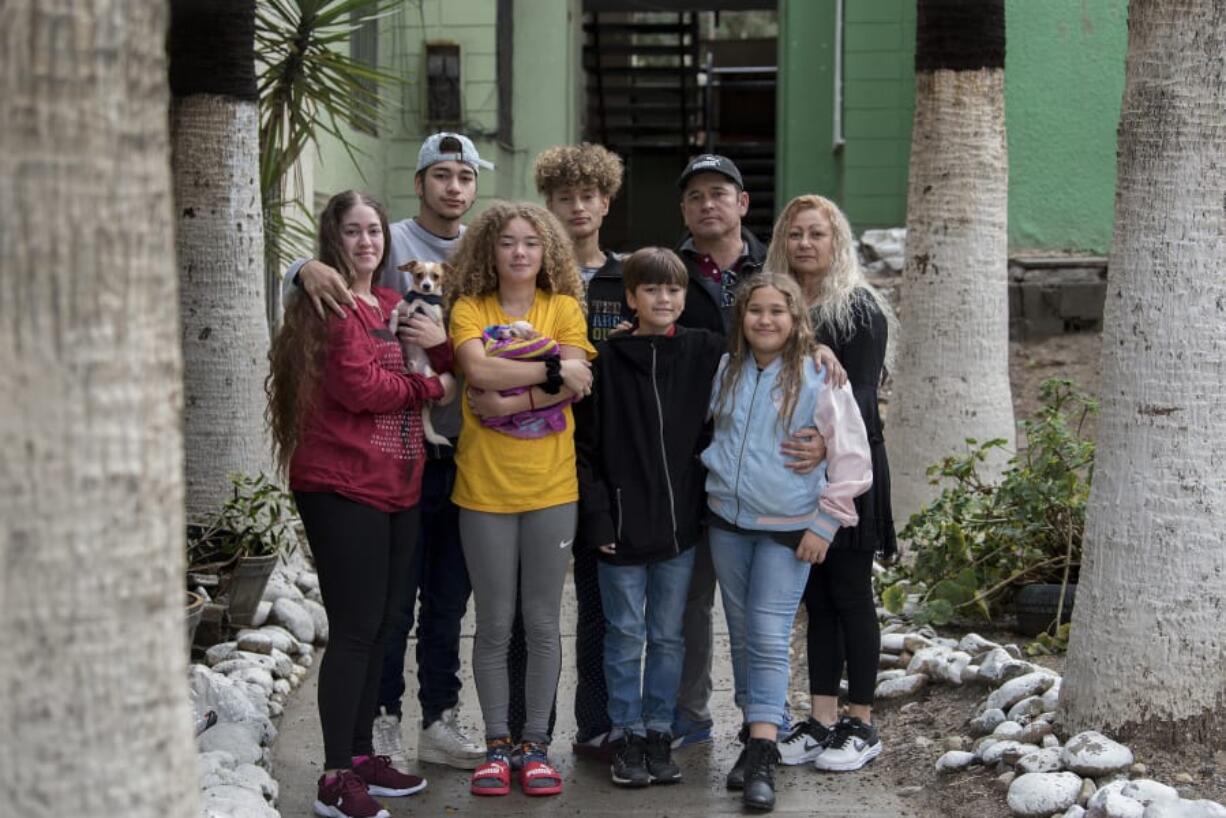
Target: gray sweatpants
[537,545]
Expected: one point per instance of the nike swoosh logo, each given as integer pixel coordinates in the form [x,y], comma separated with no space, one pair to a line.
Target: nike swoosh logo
[565,543]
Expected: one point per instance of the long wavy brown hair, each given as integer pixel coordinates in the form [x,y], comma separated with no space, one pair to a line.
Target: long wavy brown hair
[476,271]
[797,350]
[299,349]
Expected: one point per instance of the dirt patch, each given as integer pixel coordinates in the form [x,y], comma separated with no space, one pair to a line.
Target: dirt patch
[1074,356]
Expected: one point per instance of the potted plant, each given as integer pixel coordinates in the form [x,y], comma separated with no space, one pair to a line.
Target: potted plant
[242,543]
[979,543]
[192,614]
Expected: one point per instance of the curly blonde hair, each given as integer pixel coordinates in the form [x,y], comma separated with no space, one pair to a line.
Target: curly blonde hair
[584,165]
[798,349]
[836,305]
[474,259]
[299,349]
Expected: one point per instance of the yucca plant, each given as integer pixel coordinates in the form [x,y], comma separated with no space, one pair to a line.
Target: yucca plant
[309,86]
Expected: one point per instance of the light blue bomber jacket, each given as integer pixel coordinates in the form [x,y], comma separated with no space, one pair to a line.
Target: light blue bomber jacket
[748,484]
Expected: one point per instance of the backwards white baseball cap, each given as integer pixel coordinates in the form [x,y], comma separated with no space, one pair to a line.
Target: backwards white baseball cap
[432,152]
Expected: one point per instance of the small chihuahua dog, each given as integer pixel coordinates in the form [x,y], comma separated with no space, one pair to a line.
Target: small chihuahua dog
[425,296]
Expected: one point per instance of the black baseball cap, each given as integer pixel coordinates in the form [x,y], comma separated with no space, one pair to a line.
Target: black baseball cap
[711,163]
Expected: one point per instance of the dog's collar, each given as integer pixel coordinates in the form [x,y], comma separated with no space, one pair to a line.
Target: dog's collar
[433,299]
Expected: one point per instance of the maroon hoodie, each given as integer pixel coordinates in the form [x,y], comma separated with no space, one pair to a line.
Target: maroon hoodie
[362,438]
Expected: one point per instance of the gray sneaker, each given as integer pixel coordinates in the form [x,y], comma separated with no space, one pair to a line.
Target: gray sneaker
[386,738]
[443,742]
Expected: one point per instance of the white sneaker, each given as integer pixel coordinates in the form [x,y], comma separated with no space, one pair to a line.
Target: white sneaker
[854,745]
[444,743]
[386,739]
[805,743]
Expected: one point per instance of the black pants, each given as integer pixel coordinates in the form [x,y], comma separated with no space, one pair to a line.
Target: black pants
[440,577]
[843,625]
[363,557]
[591,694]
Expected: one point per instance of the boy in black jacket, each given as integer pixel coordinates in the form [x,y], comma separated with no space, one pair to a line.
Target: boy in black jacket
[641,500]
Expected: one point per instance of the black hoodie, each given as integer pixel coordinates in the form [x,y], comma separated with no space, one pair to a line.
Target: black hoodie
[702,297]
[637,440]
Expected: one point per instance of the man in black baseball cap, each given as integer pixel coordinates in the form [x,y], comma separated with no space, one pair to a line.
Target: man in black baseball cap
[711,163]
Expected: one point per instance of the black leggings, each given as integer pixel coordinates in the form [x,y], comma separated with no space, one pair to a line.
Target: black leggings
[363,557]
[843,624]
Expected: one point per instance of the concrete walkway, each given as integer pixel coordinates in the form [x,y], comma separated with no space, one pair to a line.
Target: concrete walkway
[298,759]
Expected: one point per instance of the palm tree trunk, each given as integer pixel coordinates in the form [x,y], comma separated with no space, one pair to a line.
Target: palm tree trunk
[952,379]
[94,718]
[219,243]
[1147,651]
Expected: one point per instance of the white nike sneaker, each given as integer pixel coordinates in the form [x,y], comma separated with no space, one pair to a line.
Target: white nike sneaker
[805,743]
[854,745]
[386,739]
[444,743]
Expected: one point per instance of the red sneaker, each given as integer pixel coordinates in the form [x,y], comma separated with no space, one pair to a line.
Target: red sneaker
[494,776]
[538,776]
[344,795]
[383,779]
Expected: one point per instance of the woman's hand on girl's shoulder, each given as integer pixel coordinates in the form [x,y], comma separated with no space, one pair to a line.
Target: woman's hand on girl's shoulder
[824,356]
[812,549]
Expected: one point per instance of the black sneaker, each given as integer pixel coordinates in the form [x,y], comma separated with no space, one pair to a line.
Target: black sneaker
[761,756]
[629,768]
[854,745]
[736,776]
[660,765]
[805,743]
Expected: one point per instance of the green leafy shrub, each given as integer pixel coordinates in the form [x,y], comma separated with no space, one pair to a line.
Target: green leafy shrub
[979,541]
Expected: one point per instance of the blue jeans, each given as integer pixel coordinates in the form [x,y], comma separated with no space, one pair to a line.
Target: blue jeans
[644,603]
[441,576]
[762,583]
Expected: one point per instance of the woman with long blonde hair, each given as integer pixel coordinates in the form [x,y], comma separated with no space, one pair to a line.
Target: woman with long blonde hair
[345,416]
[517,495]
[812,242]
[769,523]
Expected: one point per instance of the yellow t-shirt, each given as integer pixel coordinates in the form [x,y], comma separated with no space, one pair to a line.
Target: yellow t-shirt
[503,474]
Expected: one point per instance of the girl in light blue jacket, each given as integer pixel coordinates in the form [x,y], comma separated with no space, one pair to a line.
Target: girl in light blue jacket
[768,524]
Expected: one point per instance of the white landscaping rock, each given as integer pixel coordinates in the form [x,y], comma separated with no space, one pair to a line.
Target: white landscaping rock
[1008,752]
[1093,754]
[281,586]
[986,722]
[1040,761]
[295,619]
[213,691]
[1148,791]
[915,642]
[1026,709]
[1035,733]
[1014,690]
[254,641]
[1038,795]
[307,581]
[262,609]
[893,643]
[901,688]
[236,802]
[241,740]
[887,246]
[974,644]
[1114,805]
[1052,697]
[259,779]
[1075,811]
[220,652]
[1007,730]
[887,675]
[319,617]
[951,666]
[1051,740]
[955,760]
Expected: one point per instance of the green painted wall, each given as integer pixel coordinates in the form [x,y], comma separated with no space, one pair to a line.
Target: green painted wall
[805,159]
[545,89]
[1064,76]
[878,100]
[1064,79]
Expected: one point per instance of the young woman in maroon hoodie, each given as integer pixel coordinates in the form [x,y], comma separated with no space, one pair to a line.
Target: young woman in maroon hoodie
[345,417]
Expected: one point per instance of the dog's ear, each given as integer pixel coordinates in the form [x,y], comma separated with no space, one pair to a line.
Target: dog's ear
[447,268]
[408,266]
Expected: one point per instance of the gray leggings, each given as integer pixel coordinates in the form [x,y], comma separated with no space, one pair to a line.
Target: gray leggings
[537,544]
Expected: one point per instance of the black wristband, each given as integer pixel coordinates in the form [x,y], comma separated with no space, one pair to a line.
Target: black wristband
[553,376]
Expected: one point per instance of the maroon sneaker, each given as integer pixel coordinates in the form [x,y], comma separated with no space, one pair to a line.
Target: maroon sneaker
[344,795]
[383,779]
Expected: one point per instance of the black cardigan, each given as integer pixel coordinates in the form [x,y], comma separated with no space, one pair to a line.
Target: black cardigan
[862,354]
